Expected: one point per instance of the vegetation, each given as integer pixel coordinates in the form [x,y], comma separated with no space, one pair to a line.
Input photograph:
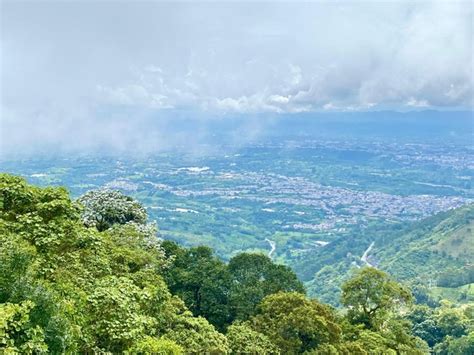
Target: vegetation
[223,292]
[433,256]
[69,285]
[371,295]
[104,208]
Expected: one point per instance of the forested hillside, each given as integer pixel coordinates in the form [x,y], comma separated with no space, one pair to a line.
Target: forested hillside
[91,276]
[434,256]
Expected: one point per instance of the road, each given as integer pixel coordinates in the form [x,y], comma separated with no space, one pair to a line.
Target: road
[364,256]
[272,246]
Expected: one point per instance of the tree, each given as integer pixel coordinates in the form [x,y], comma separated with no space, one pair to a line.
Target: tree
[222,293]
[134,247]
[422,295]
[150,345]
[255,276]
[294,323]
[202,281]
[243,340]
[116,318]
[439,326]
[370,295]
[373,342]
[350,348]
[451,345]
[397,332]
[424,324]
[103,208]
[393,338]
[38,229]
[451,321]
[196,335]
[16,334]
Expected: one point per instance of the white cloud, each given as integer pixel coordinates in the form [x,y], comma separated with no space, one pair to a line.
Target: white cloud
[329,106]
[133,95]
[59,59]
[278,99]
[417,103]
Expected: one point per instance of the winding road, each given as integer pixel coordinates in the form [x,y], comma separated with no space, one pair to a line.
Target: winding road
[364,256]
[272,246]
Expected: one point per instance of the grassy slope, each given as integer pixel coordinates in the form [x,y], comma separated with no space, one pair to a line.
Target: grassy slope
[431,247]
[463,293]
[419,251]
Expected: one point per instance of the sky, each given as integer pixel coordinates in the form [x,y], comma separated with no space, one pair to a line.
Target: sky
[91,74]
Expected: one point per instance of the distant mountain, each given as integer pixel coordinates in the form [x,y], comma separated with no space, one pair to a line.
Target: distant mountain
[436,254]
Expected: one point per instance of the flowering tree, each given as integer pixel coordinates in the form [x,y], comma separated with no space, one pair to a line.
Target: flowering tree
[103,208]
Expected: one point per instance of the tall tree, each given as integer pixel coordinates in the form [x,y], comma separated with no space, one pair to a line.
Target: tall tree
[294,323]
[103,208]
[201,280]
[370,295]
[244,340]
[255,276]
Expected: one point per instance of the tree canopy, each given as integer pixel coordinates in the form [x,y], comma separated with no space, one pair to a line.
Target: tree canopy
[103,208]
[370,295]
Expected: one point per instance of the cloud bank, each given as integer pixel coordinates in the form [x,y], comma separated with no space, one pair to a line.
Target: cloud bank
[94,67]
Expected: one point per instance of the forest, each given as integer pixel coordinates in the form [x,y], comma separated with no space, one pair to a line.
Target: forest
[91,276]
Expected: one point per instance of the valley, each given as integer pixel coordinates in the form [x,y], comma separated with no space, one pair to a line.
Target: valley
[296,202]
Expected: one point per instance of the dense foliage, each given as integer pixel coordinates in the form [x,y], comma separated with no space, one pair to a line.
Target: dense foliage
[220,292]
[104,208]
[92,277]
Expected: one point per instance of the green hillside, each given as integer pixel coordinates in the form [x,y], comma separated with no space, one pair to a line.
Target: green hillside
[435,246]
[431,254]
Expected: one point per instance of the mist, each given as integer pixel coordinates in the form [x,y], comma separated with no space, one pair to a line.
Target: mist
[82,76]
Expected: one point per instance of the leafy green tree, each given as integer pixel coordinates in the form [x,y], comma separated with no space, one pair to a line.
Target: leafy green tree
[454,346]
[424,324]
[196,335]
[201,280]
[103,208]
[38,228]
[255,276]
[56,263]
[373,301]
[16,334]
[135,247]
[452,321]
[393,338]
[17,258]
[150,346]
[115,317]
[294,323]
[396,331]
[348,348]
[435,326]
[370,295]
[374,343]
[244,340]
[422,295]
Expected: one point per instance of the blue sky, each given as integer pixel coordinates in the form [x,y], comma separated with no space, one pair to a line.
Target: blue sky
[64,63]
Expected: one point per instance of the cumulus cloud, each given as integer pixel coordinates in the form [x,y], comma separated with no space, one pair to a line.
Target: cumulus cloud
[311,56]
[66,63]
